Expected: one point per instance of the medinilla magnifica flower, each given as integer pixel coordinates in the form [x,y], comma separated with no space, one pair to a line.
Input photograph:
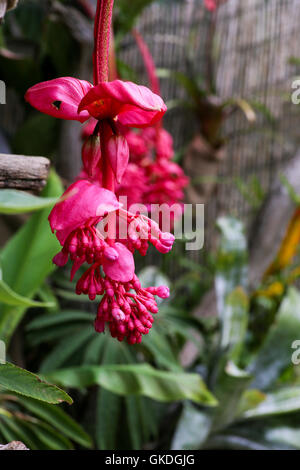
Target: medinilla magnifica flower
[88,218]
[76,220]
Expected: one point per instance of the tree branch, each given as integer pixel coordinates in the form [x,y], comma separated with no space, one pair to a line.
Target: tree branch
[21,172]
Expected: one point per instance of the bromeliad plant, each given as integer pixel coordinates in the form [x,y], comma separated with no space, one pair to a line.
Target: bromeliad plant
[125,306]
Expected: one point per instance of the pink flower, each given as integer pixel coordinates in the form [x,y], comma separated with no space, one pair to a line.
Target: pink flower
[69,98]
[130,104]
[60,97]
[85,219]
[75,219]
[128,309]
[82,204]
[134,184]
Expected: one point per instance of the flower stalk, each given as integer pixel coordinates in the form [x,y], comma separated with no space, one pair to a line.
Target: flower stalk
[102,28]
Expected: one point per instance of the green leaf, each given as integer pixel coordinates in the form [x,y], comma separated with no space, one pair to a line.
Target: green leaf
[192,429]
[27,259]
[16,202]
[9,297]
[65,316]
[229,389]
[284,434]
[231,279]
[159,345]
[234,323]
[47,437]
[15,379]
[109,405]
[231,260]
[56,417]
[285,400]
[137,379]
[235,442]
[66,348]
[275,353]
[17,429]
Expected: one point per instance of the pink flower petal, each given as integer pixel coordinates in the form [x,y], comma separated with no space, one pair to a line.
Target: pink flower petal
[60,97]
[121,269]
[80,203]
[118,154]
[134,105]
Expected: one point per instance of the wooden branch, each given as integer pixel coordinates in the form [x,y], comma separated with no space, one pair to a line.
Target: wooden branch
[21,172]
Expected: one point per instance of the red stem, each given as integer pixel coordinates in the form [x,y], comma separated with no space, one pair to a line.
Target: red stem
[150,67]
[102,36]
[102,30]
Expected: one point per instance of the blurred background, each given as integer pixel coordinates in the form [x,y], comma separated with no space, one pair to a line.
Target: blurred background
[220,366]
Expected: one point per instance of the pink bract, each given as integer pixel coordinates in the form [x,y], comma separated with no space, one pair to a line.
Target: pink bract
[121,269]
[131,104]
[59,97]
[80,202]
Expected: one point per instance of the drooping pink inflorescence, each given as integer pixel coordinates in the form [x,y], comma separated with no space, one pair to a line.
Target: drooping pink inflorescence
[89,219]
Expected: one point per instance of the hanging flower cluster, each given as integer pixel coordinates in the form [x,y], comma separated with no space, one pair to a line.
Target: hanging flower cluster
[151,176]
[88,218]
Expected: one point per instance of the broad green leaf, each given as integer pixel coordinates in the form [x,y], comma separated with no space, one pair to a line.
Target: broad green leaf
[16,202]
[134,422]
[250,399]
[137,379]
[15,379]
[9,297]
[46,294]
[284,434]
[285,400]
[65,316]
[159,345]
[231,260]
[230,280]
[17,430]
[66,348]
[109,405]
[235,442]
[48,438]
[56,417]
[26,259]
[229,389]
[192,429]
[234,323]
[275,353]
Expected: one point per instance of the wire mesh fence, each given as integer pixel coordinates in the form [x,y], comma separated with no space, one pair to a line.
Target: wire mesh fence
[255,44]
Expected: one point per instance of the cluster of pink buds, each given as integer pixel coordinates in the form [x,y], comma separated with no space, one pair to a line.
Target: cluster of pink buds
[88,218]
